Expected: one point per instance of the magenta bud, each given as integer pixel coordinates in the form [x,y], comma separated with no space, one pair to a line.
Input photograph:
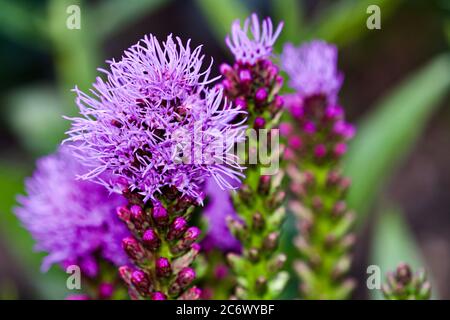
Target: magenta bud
[151,240]
[105,290]
[320,151]
[125,273]
[185,277]
[140,280]
[309,127]
[285,129]
[227,84]
[259,123]
[245,76]
[225,69]
[163,267]
[160,215]
[261,94]
[123,213]
[158,296]
[196,247]
[340,149]
[333,112]
[177,228]
[279,101]
[133,248]
[221,271]
[137,214]
[240,102]
[295,142]
[192,234]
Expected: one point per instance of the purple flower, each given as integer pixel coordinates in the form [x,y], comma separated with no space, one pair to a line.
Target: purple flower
[216,212]
[251,48]
[71,220]
[312,69]
[153,124]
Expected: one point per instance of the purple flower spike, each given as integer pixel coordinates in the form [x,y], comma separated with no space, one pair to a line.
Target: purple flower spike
[249,48]
[70,219]
[312,69]
[153,124]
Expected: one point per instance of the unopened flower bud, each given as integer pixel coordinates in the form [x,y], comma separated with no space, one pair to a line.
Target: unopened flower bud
[123,213]
[261,94]
[340,149]
[141,281]
[151,240]
[163,267]
[225,69]
[258,221]
[125,273]
[240,102]
[320,151]
[133,249]
[264,185]
[158,296]
[245,76]
[105,290]
[271,241]
[261,284]
[137,215]
[193,293]
[177,228]
[259,123]
[160,215]
[185,277]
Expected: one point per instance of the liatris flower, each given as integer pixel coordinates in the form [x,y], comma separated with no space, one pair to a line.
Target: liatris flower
[315,144]
[73,221]
[253,83]
[312,69]
[160,133]
[153,124]
[404,285]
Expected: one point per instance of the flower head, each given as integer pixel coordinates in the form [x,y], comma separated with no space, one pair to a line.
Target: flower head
[71,220]
[312,69]
[249,48]
[153,124]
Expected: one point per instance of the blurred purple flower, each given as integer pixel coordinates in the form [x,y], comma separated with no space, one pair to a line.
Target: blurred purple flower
[216,212]
[153,123]
[72,220]
[312,69]
[250,49]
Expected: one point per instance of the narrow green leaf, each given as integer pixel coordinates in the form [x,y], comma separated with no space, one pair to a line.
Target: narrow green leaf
[76,52]
[389,132]
[220,15]
[291,13]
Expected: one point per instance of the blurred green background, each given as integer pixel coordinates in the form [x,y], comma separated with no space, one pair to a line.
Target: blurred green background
[396,90]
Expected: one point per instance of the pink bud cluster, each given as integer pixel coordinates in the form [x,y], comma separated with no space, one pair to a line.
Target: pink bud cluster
[162,248]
